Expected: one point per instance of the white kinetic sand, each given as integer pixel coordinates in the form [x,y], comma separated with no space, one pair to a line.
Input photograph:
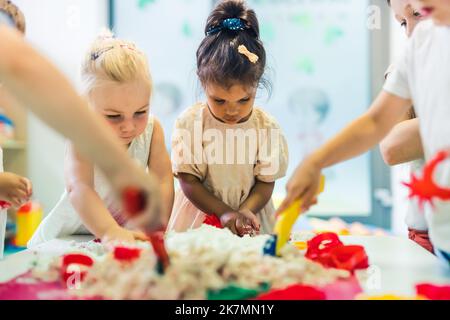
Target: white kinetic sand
[203,259]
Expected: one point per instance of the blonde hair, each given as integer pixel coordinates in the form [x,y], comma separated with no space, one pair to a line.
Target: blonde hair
[14,12]
[113,60]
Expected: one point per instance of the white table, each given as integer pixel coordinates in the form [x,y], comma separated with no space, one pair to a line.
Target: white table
[19,263]
[397,264]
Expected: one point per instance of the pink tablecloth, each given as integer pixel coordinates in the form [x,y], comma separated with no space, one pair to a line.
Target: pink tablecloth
[26,288]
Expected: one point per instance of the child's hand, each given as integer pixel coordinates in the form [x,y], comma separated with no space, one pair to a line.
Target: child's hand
[303,184]
[119,234]
[229,220]
[145,204]
[15,189]
[238,223]
[251,219]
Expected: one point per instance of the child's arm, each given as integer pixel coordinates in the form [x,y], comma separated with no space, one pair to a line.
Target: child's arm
[357,138]
[239,222]
[196,192]
[403,143]
[259,196]
[79,176]
[159,163]
[38,85]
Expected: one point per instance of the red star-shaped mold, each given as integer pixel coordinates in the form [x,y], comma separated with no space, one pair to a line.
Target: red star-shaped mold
[425,188]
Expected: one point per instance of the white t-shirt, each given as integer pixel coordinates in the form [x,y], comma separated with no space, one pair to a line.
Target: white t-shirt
[423,75]
[415,219]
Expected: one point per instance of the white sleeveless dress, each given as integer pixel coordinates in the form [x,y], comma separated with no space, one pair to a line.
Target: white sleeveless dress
[63,220]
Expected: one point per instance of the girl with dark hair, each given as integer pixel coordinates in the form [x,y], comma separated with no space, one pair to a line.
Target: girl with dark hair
[227,184]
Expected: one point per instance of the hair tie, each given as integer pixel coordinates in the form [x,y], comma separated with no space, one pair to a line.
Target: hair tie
[233,24]
[96,55]
[250,55]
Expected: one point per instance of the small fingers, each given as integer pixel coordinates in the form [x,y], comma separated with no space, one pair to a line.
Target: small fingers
[287,202]
[308,199]
[29,187]
[138,235]
[16,202]
[254,223]
[246,227]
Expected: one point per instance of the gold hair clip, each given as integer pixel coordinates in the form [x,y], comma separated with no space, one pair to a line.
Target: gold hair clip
[251,56]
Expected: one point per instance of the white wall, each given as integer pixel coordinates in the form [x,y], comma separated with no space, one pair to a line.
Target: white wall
[62,30]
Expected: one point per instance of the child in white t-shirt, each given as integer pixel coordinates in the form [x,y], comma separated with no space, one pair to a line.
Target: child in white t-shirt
[404,143]
[422,78]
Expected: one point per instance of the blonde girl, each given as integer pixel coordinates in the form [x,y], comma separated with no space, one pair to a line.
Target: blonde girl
[118,86]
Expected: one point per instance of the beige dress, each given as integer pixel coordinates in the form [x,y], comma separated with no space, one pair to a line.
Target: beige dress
[228,159]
